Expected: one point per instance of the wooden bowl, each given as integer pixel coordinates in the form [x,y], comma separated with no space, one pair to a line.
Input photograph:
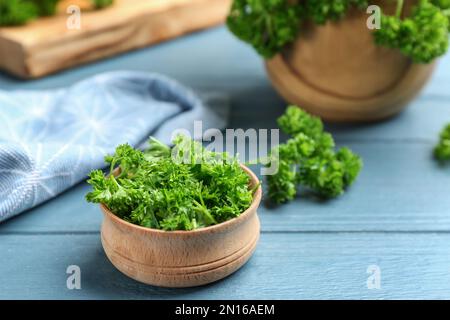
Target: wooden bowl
[182,258]
[338,73]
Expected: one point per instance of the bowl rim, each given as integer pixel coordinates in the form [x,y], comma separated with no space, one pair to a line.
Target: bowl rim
[257,195]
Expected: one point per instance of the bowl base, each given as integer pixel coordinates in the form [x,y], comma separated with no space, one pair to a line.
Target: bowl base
[182,277]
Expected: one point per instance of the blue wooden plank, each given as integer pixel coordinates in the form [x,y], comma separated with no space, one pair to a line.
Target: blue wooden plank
[401,191]
[418,125]
[414,160]
[214,60]
[289,266]
[400,188]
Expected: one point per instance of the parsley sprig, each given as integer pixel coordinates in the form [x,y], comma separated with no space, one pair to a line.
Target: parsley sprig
[45,7]
[16,12]
[19,12]
[267,25]
[100,4]
[309,159]
[442,150]
[321,11]
[422,36]
[181,188]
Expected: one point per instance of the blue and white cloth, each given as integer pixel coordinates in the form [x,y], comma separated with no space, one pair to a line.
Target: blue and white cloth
[50,140]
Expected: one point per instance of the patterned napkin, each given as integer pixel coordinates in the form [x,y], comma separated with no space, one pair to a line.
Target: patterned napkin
[50,140]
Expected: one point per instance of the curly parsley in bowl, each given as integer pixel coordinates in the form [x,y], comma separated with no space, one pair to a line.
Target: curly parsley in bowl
[181,188]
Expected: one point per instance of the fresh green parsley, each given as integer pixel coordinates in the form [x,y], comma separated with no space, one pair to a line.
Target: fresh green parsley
[19,12]
[442,150]
[16,12]
[423,36]
[267,25]
[156,189]
[308,159]
[45,7]
[100,4]
[321,11]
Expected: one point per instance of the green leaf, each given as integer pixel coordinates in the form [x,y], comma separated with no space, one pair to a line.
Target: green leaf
[423,36]
[442,149]
[308,159]
[16,12]
[156,190]
[100,4]
[268,25]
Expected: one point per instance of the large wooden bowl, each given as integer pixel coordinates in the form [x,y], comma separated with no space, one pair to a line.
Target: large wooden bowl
[182,258]
[337,72]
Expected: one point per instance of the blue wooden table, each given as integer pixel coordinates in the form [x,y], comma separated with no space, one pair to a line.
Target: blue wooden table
[396,216]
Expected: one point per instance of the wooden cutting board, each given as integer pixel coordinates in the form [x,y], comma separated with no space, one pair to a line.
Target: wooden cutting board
[46,45]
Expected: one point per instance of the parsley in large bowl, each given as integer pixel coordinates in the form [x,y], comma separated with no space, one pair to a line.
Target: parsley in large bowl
[321,54]
[177,217]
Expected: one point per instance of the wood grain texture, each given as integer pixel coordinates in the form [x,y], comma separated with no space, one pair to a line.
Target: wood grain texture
[337,72]
[392,194]
[395,216]
[46,45]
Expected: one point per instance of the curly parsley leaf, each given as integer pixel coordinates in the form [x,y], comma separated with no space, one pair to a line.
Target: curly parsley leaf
[321,11]
[445,6]
[180,188]
[19,12]
[442,150]
[309,159]
[46,7]
[296,120]
[423,36]
[268,25]
[100,4]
